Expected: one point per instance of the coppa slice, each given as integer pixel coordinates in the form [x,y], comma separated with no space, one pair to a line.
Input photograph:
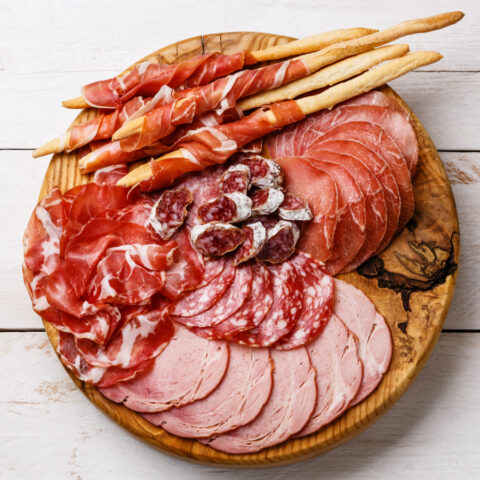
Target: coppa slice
[350,231]
[231,301]
[253,311]
[319,190]
[289,408]
[203,298]
[317,290]
[334,356]
[375,206]
[238,399]
[375,341]
[202,365]
[284,312]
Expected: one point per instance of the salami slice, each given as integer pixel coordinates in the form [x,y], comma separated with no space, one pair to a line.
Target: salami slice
[213,239]
[213,268]
[231,301]
[280,244]
[203,298]
[229,207]
[238,399]
[317,288]
[284,312]
[293,208]
[253,311]
[264,173]
[255,237]
[170,211]
[235,179]
[266,201]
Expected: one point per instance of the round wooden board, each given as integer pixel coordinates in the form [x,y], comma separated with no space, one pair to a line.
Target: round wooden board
[411,284]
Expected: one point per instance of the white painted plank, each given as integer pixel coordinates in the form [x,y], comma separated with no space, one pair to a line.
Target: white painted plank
[19,191]
[91,36]
[50,428]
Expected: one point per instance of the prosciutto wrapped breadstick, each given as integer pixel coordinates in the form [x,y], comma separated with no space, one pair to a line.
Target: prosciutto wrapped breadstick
[147,78]
[209,146]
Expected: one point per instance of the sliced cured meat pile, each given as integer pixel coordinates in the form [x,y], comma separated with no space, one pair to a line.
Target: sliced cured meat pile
[361,156]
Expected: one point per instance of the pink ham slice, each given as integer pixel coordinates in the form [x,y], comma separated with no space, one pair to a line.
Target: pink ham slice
[334,355]
[237,401]
[289,408]
[189,369]
[374,338]
[321,196]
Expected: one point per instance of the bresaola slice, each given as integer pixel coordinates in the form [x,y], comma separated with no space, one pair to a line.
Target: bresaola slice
[237,400]
[289,408]
[202,363]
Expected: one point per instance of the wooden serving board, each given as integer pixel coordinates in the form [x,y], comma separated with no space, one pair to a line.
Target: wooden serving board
[411,284]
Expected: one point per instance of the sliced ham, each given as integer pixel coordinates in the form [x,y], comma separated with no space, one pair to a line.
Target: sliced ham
[289,408]
[374,338]
[238,399]
[189,369]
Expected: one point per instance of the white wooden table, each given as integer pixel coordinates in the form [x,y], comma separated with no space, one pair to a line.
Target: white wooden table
[48,429]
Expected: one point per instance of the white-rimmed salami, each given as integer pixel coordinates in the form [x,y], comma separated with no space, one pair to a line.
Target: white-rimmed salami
[266,201]
[334,355]
[202,299]
[170,211]
[318,289]
[284,312]
[235,179]
[280,244]
[238,399]
[231,301]
[202,365]
[213,239]
[358,313]
[289,408]
[228,207]
[255,238]
[293,208]
[264,173]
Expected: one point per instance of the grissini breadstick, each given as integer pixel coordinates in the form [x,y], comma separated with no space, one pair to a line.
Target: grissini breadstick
[327,99]
[338,72]
[296,47]
[56,145]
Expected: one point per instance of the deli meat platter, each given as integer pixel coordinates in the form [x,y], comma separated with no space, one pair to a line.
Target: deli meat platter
[275,280]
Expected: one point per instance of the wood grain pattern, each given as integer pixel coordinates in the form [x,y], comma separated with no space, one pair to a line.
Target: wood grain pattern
[420,265]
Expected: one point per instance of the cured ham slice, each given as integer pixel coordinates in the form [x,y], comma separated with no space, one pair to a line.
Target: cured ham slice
[202,363]
[148,78]
[110,175]
[375,205]
[334,355]
[322,197]
[317,303]
[374,339]
[289,408]
[237,400]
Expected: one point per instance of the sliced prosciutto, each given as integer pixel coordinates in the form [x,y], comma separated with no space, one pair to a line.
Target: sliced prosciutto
[202,363]
[289,408]
[237,400]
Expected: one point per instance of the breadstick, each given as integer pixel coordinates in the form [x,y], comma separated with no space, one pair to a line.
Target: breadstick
[56,145]
[327,99]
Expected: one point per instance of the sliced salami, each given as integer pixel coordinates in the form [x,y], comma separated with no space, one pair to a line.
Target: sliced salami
[266,201]
[214,239]
[213,268]
[235,179]
[293,208]
[289,408]
[284,312]
[317,289]
[202,363]
[238,399]
[280,243]
[264,173]
[231,301]
[203,298]
[170,211]
[255,238]
[229,207]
